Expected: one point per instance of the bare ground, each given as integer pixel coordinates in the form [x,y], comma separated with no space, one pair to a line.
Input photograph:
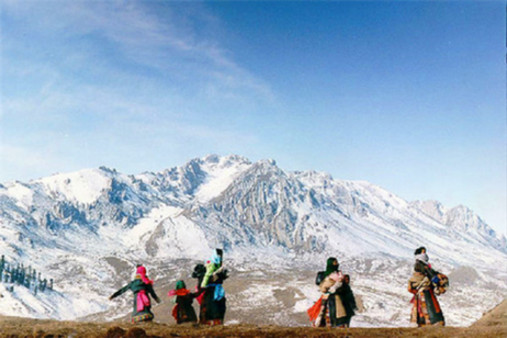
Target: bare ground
[492,324]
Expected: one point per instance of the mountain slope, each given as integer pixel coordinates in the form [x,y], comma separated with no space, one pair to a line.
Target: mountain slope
[89,228]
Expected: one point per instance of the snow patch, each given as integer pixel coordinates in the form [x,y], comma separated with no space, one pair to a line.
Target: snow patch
[220,176]
[147,224]
[22,194]
[84,186]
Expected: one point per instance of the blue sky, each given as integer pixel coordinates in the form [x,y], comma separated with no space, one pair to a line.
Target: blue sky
[407,95]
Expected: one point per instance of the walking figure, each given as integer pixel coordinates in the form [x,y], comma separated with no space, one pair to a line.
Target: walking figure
[142,287]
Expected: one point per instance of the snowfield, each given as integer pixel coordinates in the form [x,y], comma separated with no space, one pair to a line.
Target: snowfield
[87,230]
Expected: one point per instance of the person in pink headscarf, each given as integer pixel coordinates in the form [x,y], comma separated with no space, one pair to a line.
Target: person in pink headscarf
[142,287]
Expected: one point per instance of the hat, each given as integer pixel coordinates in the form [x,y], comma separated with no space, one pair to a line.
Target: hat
[180,285]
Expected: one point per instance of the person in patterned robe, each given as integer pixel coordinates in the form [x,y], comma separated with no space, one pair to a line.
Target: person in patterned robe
[336,305]
[426,309]
[142,287]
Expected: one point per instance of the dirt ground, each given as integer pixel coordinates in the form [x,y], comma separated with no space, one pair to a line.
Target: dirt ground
[492,324]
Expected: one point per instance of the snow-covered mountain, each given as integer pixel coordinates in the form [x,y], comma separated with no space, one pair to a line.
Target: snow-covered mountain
[87,230]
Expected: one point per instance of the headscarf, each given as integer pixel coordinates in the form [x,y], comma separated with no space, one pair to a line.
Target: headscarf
[180,285]
[216,259]
[141,271]
[421,260]
[331,266]
[180,289]
[422,257]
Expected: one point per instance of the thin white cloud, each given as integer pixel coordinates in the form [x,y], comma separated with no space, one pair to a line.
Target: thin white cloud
[58,109]
[168,42]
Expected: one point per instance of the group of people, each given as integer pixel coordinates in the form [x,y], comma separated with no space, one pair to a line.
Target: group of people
[337,304]
[334,308]
[209,293]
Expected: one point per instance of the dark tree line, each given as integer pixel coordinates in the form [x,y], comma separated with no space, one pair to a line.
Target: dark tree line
[18,274]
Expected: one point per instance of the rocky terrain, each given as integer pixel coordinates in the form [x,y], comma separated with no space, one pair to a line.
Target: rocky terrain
[88,229]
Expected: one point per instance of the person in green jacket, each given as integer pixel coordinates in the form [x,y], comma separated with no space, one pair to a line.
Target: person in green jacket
[142,287]
[213,306]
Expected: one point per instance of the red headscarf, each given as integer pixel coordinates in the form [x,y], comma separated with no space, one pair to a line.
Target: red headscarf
[141,271]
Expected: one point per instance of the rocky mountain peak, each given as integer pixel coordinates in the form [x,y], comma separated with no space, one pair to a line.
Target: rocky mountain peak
[250,209]
[431,208]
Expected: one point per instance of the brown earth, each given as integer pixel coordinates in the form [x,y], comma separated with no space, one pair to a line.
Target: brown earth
[495,317]
[492,324]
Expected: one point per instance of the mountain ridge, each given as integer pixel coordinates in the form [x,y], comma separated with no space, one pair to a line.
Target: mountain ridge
[260,191]
[256,211]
